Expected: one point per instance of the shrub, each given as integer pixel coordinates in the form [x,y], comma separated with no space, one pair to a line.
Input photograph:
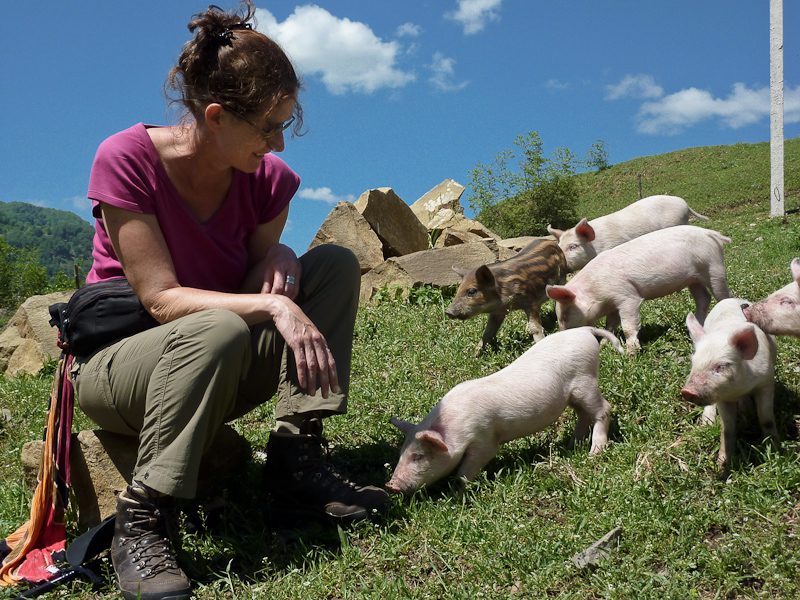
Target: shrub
[523,201]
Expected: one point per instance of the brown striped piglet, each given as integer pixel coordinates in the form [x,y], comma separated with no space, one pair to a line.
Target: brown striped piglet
[589,238]
[779,313]
[732,359]
[657,264]
[515,283]
[465,429]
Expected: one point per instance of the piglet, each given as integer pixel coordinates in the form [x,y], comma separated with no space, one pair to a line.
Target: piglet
[732,360]
[779,313]
[589,238]
[657,264]
[515,283]
[465,429]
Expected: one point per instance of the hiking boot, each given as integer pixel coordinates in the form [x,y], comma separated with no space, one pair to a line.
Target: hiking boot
[143,562]
[298,477]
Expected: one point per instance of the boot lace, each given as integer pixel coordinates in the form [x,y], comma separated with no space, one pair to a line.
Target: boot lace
[149,547]
[316,468]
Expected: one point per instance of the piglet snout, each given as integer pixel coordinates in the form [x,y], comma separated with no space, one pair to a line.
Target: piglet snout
[690,396]
[394,488]
[746,311]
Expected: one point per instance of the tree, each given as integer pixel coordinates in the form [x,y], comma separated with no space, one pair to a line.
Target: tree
[21,276]
[524,201]
[597,156]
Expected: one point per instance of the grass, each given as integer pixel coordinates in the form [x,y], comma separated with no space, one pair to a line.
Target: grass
[687,530]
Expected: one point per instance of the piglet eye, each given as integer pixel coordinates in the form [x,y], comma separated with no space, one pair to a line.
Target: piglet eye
[787,302]
[572,247]
[720,368]
[471,292]
[417,457]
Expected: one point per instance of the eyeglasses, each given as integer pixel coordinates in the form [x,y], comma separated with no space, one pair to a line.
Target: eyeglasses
[267,135]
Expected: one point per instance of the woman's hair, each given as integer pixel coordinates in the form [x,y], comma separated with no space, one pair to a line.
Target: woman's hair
[231,63]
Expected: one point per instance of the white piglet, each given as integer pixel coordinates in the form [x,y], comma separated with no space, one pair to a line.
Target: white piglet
[779,313]
[589,238]
[733,359]
[657,264]
[465,429]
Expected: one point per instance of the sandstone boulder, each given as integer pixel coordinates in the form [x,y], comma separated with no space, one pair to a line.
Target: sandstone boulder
[28,339]
[449,219]
[454,237]
[347,227]
[518,243]
[102,462]
[445,195]
[430,267]
[392,220]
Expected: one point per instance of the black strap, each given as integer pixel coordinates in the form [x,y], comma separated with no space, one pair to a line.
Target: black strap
[79,553]
[88,545]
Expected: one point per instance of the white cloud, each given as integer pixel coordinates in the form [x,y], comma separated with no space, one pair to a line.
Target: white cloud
[634,86]
[671,114]
[556,85]
[324,194]
[791,105]
[345,54]
[79,204]
[444,74]
[409,29]
[743,106]
[474,14]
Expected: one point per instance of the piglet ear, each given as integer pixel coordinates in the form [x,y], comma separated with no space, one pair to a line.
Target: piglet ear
[432,438]
[745,342]
[795,266]
[556,233]
[484,276]
[403,426]
[560,293]
[460,272]
[696,330]
[584,230]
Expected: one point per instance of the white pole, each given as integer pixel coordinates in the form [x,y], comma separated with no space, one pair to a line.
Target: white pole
[776,107]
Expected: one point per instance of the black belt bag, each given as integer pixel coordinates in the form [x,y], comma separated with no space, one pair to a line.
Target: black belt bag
[99,314]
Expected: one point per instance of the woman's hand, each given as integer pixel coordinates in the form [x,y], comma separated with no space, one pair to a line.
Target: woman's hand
[311,353]
[281,272]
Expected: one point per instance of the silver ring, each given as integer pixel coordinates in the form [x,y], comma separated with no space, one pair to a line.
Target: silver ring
[290,279]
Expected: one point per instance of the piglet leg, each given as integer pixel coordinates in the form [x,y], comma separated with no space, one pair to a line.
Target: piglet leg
[493,324]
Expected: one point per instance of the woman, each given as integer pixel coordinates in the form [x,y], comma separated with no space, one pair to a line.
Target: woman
[192,215]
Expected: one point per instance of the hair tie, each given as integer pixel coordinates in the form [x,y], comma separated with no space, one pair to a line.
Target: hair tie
[227,34]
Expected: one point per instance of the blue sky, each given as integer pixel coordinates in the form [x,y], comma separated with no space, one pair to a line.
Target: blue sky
[401,93]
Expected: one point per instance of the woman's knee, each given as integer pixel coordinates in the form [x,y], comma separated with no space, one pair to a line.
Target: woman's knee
[335,262]
[222,333]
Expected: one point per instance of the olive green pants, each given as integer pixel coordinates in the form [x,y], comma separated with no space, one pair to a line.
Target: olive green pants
[174,385]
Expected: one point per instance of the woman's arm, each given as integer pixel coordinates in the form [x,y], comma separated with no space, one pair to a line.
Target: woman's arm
[271,263]
[139,244]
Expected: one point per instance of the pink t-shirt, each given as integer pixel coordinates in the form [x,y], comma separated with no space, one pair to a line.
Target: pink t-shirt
[127,173]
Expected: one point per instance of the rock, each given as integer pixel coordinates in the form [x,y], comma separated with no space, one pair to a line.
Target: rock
[518,243]
[430,267]
[392,220]
[448,218]
[454,237]
[445,195]
[28,339]
[599,550]
[102,462]
[345,226]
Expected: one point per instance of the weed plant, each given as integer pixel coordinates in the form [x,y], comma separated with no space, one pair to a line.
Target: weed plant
[688,531]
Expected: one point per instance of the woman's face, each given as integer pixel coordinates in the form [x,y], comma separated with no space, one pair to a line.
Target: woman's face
[251,138]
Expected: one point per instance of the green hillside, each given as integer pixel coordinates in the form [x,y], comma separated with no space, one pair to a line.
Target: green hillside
[62,237]
[687,529]
[711,179]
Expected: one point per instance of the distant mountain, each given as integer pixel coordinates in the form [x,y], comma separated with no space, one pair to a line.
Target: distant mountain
[62,237]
